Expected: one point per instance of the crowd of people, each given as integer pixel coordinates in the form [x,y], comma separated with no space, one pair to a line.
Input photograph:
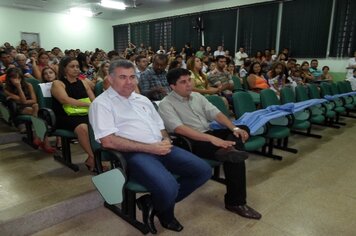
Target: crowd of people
[179,81]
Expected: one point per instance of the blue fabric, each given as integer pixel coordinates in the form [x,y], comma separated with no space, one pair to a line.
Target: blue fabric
[333,97]
[155,173]
[288,107]
[257,119]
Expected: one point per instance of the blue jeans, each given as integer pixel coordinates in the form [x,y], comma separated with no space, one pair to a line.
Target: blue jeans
[156,174]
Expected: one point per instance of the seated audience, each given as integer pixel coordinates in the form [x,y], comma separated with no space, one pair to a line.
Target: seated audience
[174,64]
[295,79]
[86,69]
[199,81]
[326,76]
[6,61]
[220,77]
[305,73]
[314,69]
[153,83]
[188,113]
[276,77]
[20,62]
[23,47]
[256,81]
[219,52]
[40,63]
[23,94]
[68,89]
[117,116]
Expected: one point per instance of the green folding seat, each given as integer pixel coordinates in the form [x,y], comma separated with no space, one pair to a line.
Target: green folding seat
[279,128]
[327,107]
[300,120]
[243,103]
[326,90]
[316,111]
[45,125]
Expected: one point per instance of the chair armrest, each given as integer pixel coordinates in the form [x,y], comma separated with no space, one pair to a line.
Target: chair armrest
[48,115]
[181,141]
[116,158]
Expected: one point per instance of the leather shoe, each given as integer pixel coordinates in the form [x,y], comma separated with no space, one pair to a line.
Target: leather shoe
[144,203]
[174,225]
[244,211]
[231,154]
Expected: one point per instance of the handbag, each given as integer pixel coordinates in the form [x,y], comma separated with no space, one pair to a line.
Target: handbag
[77,110]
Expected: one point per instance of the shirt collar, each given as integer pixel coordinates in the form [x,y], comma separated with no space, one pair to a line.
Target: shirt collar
[112,93]
[180,98]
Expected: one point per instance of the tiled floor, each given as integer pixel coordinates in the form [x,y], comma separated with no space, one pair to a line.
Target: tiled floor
[309,193]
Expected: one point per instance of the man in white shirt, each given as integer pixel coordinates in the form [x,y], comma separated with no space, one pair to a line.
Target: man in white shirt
[240,57]
[219,52]
[351,66]
[128,122]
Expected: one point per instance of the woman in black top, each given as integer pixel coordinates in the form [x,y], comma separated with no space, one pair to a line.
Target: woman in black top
[67,90]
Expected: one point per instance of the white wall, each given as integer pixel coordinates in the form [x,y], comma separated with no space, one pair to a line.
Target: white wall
[56,30]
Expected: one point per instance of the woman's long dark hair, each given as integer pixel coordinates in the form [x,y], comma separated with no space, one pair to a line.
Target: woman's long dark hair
[62,65]
[16,73]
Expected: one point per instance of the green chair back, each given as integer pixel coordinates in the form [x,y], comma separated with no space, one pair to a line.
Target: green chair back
[334,89]
[34,82]
[43,102]
[268,98]
[219,103]
[242,102]
[342,86]
[313,91]
[348,86]
[301,94]
[287,95]
[325,89]
[245,83]
[98,89]
[237,83]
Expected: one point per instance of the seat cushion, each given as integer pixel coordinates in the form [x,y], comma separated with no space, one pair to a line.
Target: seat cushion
[64,133]
[277,132]
[254,143]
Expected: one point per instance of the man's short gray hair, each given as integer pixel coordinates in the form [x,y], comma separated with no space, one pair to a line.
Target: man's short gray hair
[120,63]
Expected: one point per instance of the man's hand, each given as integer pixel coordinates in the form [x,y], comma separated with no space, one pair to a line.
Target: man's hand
[240,133]
[221,143]
[161,148]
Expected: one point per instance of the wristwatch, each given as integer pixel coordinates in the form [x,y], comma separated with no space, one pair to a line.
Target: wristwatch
[234,129]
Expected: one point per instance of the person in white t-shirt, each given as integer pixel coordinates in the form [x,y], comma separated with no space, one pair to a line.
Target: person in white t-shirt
[240,57]
[351,66]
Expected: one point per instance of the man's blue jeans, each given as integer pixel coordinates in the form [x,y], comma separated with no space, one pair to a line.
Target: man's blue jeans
[156,174]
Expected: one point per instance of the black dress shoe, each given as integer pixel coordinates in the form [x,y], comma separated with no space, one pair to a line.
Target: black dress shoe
[144,203]
[244,211]
[231,154]
[173,225]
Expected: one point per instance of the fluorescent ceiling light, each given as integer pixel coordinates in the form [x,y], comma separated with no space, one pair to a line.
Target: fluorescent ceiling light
[113,4]
[80,12]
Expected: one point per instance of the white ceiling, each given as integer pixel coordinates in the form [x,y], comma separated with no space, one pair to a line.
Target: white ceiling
[143,6]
